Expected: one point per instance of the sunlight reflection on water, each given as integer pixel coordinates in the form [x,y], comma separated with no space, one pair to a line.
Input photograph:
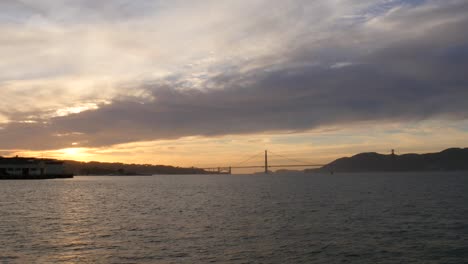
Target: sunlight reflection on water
[368,218]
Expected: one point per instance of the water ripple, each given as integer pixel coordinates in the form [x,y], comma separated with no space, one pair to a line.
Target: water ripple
[381,218]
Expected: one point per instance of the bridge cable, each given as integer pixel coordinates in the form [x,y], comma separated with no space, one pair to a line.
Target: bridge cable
[248,159]
[290,159]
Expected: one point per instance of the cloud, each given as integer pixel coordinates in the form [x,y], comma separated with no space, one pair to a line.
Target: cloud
[405,62]
[317,146]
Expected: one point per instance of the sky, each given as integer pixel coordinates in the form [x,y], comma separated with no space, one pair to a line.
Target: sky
[210,82]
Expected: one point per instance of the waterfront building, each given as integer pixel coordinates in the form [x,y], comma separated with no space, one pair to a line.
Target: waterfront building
[31,167]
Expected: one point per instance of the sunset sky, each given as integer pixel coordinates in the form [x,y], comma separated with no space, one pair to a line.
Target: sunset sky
[211,82]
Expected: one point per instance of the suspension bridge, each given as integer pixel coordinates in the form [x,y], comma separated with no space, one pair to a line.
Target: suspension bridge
[265,166]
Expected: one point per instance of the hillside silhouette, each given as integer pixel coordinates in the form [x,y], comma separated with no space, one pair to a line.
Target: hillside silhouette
[453,159]
[115,168]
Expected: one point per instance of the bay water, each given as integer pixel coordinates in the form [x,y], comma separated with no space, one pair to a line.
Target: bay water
[290,218]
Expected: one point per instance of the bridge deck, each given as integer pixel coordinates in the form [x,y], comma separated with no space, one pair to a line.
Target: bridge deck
[266,166]
[269,166]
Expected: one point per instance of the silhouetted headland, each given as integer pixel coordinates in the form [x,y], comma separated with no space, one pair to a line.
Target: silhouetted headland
[122,169]
[453,159]
[23,168]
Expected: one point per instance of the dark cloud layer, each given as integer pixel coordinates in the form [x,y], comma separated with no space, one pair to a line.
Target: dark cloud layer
[413,78]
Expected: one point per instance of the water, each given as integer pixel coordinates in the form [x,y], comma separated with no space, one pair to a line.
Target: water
[341,218]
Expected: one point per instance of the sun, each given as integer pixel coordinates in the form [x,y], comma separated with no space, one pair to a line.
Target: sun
[74,152]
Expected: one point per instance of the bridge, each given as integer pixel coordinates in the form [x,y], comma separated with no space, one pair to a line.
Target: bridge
[266,166]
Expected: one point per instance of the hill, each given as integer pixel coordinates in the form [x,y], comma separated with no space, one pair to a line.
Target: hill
[453,159]
[104,168]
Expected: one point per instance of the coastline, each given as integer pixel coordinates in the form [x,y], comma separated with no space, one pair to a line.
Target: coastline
[35,177]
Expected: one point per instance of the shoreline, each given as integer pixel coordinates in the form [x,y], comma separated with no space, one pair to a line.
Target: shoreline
[36,177]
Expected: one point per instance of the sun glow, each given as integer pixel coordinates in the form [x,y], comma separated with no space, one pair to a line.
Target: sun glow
[72,152]
[76,109]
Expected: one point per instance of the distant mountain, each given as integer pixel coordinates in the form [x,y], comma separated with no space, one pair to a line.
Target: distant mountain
[105,168]
[448,160]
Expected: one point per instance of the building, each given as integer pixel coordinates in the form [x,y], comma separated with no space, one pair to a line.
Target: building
[25,168]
